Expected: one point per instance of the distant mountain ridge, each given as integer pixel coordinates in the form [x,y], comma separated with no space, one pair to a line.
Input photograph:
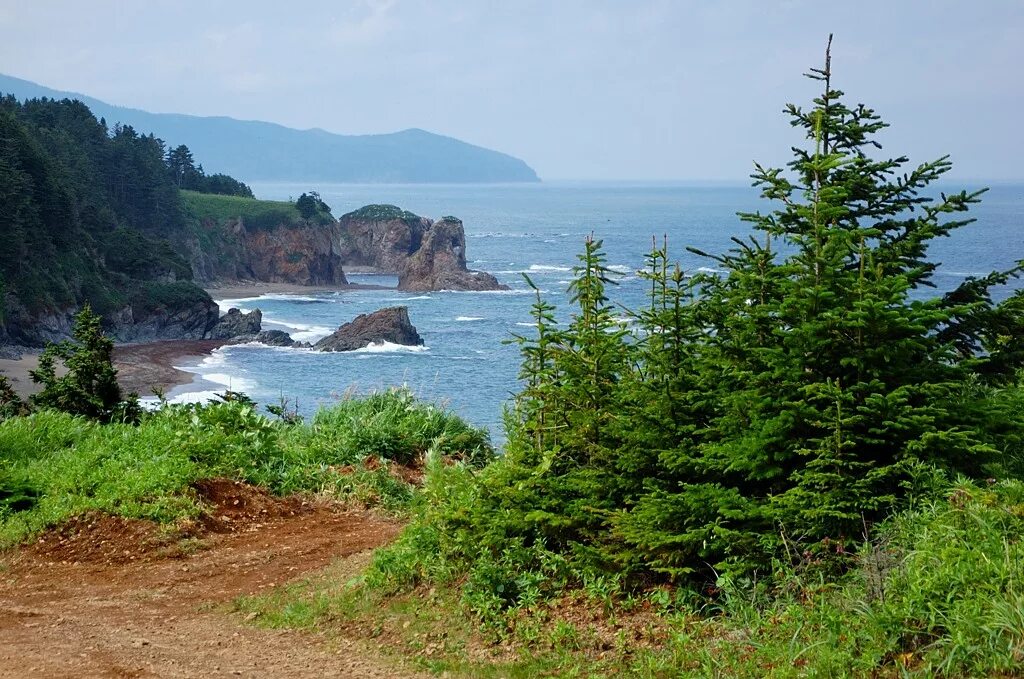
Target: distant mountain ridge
[260,151]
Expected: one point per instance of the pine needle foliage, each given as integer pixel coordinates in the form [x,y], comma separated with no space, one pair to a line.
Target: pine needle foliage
[777,409]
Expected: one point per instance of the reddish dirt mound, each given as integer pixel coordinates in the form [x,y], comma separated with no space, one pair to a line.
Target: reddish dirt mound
[231,507]
[235,506]
[99,538]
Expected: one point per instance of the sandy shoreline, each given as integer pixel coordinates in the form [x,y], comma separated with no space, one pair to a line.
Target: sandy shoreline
[141,368]
[242,290]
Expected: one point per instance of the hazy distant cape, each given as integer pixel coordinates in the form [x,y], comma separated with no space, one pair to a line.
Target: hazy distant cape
[253,150]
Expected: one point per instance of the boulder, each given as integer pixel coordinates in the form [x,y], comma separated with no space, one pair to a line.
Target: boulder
[385,325]
[274,338]
[440,262]
[235,324]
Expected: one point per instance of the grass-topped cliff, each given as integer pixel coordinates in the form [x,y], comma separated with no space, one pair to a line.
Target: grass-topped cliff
[256,214]
[239,238]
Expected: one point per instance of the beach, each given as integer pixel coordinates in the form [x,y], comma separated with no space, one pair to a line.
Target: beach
[141,368]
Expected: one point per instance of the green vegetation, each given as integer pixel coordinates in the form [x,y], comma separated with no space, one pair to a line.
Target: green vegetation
[310,206]
[936,592]
[87,213]
[187,176]
[804,465]
[382,213]
[55,465]
[256,214]
[89,386]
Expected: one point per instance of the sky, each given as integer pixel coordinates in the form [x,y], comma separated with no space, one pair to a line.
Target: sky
[596,90]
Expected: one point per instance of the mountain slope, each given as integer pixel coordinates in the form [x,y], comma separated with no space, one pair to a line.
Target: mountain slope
[253,150]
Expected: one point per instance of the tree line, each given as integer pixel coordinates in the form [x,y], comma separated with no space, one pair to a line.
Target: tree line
[86,210]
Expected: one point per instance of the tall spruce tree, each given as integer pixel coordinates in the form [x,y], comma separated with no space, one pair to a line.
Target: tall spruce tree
[834,377]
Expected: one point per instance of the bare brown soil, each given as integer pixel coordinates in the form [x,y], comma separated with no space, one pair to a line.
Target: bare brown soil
[111,597]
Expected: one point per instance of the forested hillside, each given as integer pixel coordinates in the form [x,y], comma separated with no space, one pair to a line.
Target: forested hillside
[85,216]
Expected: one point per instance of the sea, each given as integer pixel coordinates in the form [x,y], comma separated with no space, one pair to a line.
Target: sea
[469,363]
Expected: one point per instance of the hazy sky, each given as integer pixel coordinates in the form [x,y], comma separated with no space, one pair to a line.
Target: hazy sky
[590,90]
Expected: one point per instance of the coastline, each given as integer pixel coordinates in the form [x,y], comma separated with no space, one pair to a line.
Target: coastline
[141,368]
[256,289]
[148,367]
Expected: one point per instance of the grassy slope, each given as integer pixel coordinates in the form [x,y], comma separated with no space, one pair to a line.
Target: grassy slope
[54,466]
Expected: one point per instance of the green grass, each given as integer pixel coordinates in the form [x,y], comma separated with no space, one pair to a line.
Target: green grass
[54,466]
[256,214]
[939,592]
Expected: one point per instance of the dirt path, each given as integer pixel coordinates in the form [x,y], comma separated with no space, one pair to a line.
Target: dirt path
[96,601]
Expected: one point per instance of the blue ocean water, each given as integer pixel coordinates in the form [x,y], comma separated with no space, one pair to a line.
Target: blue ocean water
[536,229]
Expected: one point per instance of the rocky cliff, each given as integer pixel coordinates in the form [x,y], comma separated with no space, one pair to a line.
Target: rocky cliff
[426,255]
[440,262]
[231,250]
[142,321]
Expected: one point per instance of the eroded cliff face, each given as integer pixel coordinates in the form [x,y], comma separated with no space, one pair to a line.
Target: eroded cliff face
[426,255]
[440,262]
[379,244]
[303,254]
[192,319]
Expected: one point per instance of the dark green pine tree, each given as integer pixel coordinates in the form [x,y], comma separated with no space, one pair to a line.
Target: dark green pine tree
[89,385]
[832,377]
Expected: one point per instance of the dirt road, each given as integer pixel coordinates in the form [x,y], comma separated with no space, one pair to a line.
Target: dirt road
[101,599]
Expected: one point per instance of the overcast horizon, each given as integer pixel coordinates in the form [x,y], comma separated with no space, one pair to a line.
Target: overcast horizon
[652,90]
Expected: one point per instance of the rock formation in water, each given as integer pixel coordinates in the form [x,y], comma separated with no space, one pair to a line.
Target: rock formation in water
[274,338]
[236,324]
[425,255]
[440,262]
[385,325]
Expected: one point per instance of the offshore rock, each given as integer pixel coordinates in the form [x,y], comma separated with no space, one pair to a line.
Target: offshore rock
[379,238]
[440,262]
[425,255]
[236,324]
[385,325]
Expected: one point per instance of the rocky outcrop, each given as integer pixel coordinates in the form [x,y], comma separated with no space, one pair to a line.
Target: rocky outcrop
[188,321]
[379,238]
[301,253]
[425,255]
[440,262]
[192,319]
[234,324]
[385,325]
[274,338]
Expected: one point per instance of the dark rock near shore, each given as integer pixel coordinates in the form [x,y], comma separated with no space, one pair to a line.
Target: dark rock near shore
[385,325]
[274,338]
[236,324]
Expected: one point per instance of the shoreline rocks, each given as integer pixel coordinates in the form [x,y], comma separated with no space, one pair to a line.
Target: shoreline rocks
[235,324]
[390,324]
